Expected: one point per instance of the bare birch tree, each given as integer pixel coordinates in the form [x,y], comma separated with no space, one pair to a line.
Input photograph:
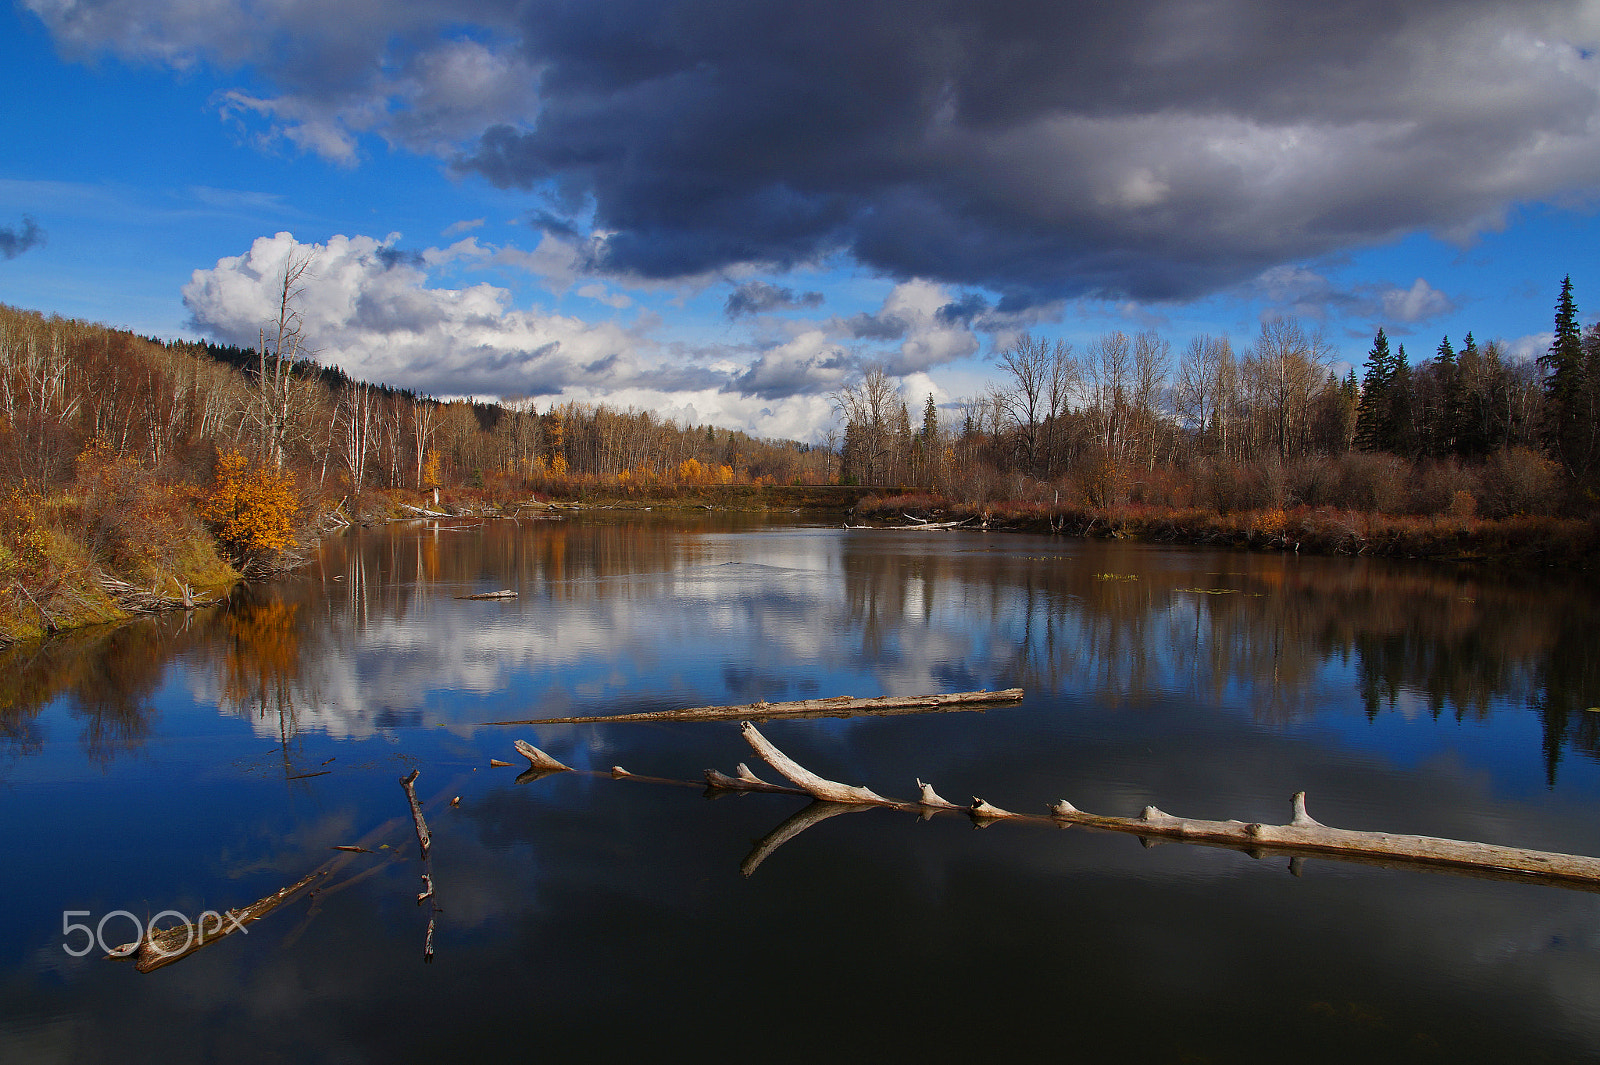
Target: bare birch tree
[279,349]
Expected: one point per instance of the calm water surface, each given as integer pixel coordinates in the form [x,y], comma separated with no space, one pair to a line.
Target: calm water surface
[202,763]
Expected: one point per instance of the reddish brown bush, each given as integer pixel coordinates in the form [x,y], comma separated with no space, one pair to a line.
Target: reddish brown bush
[1519,481]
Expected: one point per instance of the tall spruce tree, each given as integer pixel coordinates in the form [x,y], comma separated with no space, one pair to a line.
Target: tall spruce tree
[928,441]
[1473,435]
[1570,392]
[1444,421]
[1399,430]
[1373,410]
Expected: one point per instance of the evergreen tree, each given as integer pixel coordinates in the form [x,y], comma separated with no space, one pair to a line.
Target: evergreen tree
[902,444]
[1400,435]
[1444,422]
[1372,411]
[1570,429]
[928,440]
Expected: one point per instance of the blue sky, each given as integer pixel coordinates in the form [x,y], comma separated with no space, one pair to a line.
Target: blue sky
[724,211]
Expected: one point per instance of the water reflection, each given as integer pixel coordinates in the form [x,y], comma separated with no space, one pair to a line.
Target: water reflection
[650,614]
[107,676]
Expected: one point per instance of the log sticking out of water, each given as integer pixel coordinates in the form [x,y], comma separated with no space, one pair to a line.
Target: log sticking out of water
[162,947]
[504,593]
[425,839]
[813,785]
[538,760]
[744,780]
[1302,835]
[838,706]
[423,836]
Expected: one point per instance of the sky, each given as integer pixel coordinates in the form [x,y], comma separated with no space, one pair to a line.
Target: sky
[725,210]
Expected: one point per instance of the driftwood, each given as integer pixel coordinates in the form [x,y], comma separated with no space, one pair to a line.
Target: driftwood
[919,525]
[538,760]
[162,947]
[136,600]
[504,593]
[1302,836]
[839,706]
[423,512]
[923,523]
[425,839]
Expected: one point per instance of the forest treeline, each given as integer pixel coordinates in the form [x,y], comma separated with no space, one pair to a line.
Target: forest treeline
[1466,432]
[128,461]
[161,465]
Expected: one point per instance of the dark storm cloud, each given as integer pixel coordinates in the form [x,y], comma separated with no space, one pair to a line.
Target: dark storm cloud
[1035,149]
[780,373]
[963,310]
[556,226]
[13,242]
[759,297]
[864,326]
[393,257]
[1045,148]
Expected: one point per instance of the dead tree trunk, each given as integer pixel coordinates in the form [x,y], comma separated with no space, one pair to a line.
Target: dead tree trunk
[838,706]
[1303,835]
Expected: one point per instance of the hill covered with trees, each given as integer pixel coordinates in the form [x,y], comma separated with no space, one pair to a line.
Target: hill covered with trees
[135,470]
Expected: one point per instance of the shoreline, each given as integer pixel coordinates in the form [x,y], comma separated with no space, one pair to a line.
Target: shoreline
[1527,541]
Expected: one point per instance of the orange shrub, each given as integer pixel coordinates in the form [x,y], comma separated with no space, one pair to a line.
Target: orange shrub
[251,510]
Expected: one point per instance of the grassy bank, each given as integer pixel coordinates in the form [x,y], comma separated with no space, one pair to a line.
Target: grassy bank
[106,547]
[116,543]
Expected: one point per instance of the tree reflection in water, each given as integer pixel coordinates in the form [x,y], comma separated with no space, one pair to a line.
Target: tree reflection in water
[1128,625]
[260,662]
[1120,625]
[107,676]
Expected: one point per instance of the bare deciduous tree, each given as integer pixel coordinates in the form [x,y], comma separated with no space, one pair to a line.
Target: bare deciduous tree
[868,410]
[279,392]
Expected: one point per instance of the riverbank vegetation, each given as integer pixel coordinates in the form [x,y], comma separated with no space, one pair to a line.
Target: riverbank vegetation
[134,471]
[1468,453]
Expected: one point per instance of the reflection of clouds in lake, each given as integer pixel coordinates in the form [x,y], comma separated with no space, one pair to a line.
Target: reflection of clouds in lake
[651,617]
[583,646]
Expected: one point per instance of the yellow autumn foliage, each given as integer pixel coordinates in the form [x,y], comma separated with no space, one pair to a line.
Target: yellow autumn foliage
[251,510]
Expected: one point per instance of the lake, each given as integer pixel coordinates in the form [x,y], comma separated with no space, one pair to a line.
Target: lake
[202,762]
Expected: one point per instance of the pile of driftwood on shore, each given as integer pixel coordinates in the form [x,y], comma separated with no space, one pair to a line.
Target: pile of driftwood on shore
[137,600]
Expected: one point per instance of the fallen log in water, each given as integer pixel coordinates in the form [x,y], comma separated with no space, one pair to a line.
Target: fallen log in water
[504,593]
[919,525]
[1302,836]
[162,947]
[425,840]
[538,760]
[423,837]
[838,706]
